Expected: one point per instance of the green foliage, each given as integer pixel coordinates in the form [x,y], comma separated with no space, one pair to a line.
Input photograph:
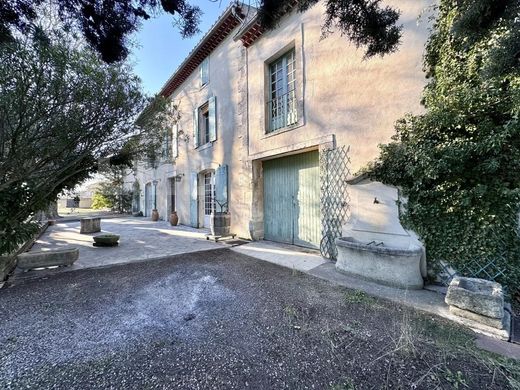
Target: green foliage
[105,24]
[61,110]
[459,163]
[366,23]
[100,201]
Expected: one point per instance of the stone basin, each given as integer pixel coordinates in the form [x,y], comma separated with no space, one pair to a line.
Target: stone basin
[106,240]
[44,259]
[476,295]
[393,266]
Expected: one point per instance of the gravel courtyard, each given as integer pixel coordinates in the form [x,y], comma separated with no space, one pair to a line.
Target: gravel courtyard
[220,319]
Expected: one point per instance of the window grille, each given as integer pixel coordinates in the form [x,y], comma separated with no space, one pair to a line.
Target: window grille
[282,107]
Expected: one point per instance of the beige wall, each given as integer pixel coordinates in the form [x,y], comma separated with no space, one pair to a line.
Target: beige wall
[339,93]
[341,98]
[227,83]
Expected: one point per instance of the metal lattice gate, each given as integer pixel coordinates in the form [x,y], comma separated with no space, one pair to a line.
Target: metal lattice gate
[334,198]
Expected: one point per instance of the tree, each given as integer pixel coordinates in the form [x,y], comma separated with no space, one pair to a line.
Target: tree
[459,163]
[364,22]
[112,192]
[61,110]
[107,24]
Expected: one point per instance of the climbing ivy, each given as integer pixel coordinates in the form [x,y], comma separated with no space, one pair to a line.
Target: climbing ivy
[459,162]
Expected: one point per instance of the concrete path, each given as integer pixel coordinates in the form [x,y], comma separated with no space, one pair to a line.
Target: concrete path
[289,256]
[141,239]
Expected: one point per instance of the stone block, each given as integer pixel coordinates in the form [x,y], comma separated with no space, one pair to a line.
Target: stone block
[90,225]
[7,263]
[52,258]
[476,295]
[493,322]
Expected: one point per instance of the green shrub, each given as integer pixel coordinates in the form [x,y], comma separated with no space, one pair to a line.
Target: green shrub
[459,162]
[100,201]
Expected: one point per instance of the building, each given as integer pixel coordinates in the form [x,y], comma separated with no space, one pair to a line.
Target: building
[260,108]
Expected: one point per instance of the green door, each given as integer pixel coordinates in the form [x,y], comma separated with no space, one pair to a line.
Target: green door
[292,199]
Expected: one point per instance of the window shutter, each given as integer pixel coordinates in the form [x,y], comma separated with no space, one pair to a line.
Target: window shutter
[221,188]
[212,119]
[193,200]
[196,127]
[175,141]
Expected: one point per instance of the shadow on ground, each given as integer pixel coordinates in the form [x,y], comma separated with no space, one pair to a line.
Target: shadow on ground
[220,319]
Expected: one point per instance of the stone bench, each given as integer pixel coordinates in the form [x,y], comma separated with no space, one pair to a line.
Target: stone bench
[43,259]
[90,225]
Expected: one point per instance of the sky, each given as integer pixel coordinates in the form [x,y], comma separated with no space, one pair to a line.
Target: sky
[161,49]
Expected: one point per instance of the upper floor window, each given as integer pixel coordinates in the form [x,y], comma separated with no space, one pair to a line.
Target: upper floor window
[281,107]
[205,123]
[204,72]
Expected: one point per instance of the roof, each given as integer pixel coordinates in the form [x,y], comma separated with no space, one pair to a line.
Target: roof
[225,24]
[252,29]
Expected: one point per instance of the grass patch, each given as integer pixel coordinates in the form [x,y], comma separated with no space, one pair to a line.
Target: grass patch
[346,384]
[359,297]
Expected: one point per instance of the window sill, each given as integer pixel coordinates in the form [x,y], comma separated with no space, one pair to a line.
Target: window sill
[205,146]
[283,130]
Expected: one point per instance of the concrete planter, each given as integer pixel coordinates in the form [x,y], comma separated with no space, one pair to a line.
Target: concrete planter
[397,267]
[44,259]
[106,240]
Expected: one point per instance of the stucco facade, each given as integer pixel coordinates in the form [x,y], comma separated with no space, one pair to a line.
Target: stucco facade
[341,99]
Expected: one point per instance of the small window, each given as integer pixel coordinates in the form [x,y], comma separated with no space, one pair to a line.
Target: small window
[205,122]
[281,106]
[204,72]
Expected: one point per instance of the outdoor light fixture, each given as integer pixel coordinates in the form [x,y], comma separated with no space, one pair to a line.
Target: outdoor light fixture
[179,177]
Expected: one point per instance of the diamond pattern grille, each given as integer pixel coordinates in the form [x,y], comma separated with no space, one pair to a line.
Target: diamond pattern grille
[334,198]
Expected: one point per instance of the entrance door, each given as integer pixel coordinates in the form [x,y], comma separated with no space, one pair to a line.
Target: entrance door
[209,197]
[148,200]
[292,200]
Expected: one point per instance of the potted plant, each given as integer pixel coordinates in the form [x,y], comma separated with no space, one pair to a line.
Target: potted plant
[174,218]
[220,222]
[155,215]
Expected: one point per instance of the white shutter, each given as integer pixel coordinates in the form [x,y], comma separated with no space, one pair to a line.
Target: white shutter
[212,119]
[193,200]
[204,72]
[175,141]
[196,127]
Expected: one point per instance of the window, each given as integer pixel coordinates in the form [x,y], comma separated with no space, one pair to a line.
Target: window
[282,92]
[209,194]
[205,123]
[166,152]
[204,72]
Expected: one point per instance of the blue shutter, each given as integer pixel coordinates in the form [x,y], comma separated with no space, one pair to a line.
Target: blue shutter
[221,188]
[193,200]
[196,127]
[212,118]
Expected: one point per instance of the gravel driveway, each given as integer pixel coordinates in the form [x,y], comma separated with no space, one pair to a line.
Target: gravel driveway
[219,319]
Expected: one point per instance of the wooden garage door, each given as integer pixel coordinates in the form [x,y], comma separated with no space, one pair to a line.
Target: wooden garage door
[292,199]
